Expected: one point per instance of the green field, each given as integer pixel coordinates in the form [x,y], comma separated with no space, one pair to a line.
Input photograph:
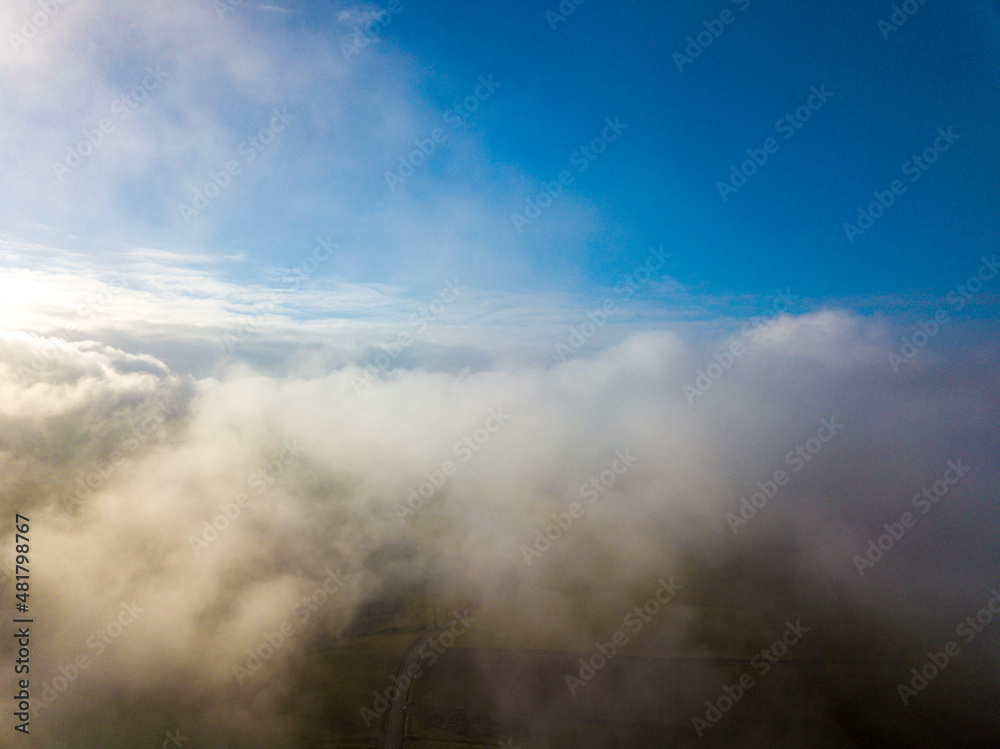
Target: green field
[504,683]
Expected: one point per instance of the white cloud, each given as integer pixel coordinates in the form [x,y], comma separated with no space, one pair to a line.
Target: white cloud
[67,407]
[221,80]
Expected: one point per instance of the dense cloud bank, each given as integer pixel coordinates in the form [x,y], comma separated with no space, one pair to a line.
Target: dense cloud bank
[176,522]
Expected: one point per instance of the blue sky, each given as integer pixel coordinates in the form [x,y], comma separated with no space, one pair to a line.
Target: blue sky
[351,118]
[687,128]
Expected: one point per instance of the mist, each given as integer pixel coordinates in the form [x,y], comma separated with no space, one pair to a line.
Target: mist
[205,515]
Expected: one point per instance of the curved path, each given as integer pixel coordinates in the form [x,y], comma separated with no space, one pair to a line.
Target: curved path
[397,716]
